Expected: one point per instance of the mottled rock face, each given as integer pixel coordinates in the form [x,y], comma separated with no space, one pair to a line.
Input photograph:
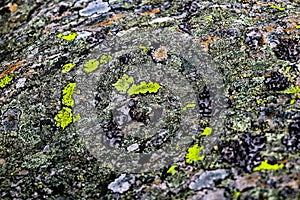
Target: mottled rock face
[152,94]
[148,118]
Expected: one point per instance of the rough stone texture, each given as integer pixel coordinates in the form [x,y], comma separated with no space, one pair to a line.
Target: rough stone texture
[256,46]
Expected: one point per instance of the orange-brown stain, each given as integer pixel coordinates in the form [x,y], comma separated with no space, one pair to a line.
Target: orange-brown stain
[150,12]
[10,68]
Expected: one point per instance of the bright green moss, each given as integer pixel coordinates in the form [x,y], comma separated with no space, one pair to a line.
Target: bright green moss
[68,91]
[123,83]
[266,166]
[6,80]
[105,59]
[67,67]
[69,37]
[207,131]
[91,65]
[194,154]
[172,170]
[64,117]
[190,105]
[143,88]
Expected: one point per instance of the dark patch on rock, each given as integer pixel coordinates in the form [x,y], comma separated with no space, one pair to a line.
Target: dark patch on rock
[204,103]
[276,81]
[97,36]
[288,192]
[288,49]
[254,38]
[244,152]
[292,141]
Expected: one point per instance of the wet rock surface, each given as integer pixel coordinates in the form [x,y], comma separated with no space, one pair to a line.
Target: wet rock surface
[46,45]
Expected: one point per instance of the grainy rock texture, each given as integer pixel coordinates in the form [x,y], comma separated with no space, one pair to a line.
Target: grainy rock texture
[45,47]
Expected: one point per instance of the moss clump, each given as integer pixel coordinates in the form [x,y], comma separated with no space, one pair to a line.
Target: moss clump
[67,67]
[69,37]
[266,166]
[123,83]
[194,154]
[6,80]
[91,65]
[67,94]
[64,117]
[143,88]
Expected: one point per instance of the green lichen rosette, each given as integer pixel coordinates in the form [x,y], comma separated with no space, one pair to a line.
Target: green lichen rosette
[142,108]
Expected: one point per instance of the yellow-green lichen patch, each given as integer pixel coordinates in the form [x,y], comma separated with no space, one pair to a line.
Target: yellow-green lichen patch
[76,118]
[172,170]
[292,90]
[190,105]
[105,59]
[207,131]
[293,101]
[266,166]
[67,67]
[260,101]
[209,18]
[194,154]
[123,83]
[6,80]
[91,65]
[143,88]
[64,117]
[277,7]
[236,195]
[68,91]
[68,37]
[144,49]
